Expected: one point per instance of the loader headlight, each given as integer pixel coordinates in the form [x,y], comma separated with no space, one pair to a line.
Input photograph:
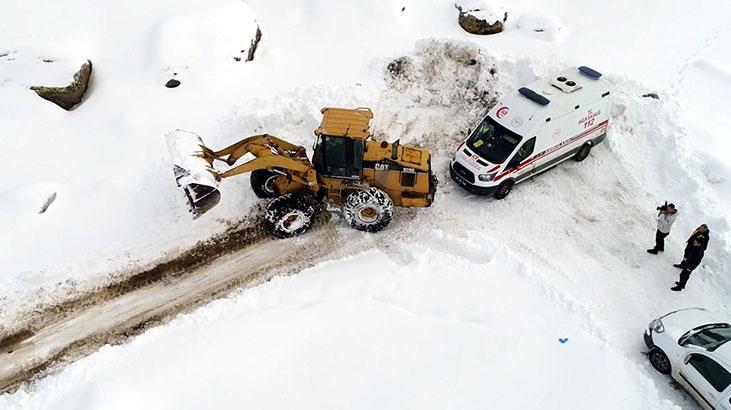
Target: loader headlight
[657,326]
[486,177]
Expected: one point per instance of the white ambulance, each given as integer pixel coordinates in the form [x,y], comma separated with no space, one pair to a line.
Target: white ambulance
[533,129]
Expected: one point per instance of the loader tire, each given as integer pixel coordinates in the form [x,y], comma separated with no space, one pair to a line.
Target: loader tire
[291,214]
[368,210]
[262,183]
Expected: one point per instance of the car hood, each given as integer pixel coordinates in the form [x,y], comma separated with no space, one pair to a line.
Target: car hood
[679,322]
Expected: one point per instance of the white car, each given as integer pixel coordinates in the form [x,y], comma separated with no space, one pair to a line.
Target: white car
[691,346]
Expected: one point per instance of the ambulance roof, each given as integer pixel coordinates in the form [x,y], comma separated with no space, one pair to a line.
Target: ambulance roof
[550,97]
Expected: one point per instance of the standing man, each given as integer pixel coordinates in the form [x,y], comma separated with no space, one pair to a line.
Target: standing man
[694,250]
[665,219]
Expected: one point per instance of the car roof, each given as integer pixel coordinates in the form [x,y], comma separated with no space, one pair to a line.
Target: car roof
[723,353]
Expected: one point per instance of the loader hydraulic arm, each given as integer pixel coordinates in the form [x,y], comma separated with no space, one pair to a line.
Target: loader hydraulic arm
[259,145]
[270,152]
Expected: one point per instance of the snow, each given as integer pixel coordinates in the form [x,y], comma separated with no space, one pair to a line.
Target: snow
[543,26]
[414,322]
[429,331]
[124,201]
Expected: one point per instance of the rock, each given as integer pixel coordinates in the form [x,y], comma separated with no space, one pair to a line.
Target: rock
[651,95]
[47,203]
[172,83]
[399,67]
[67,97]
[254,44]
[472,22]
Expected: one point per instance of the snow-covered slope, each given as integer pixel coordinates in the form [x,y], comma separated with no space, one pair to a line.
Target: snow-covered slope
[106,160]
[570,243]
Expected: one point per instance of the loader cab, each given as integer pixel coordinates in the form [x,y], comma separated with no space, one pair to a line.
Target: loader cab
[338,157]
[340,142]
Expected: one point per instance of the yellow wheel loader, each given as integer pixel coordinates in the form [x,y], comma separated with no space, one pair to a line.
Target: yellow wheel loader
[349,169]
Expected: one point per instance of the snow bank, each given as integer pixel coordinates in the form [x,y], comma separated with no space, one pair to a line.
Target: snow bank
[544,26]
[205,39]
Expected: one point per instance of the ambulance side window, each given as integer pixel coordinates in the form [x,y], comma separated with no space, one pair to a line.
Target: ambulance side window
[523,152]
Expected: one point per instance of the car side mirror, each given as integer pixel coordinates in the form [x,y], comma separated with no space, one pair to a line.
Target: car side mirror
[686,359]
[469,131]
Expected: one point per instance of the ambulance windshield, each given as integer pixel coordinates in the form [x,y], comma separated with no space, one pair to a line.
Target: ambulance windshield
[492,141]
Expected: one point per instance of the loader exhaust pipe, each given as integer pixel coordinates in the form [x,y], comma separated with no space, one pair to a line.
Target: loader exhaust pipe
[194,172]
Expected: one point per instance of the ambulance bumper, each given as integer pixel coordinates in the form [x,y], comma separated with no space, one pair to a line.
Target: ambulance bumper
[479,190]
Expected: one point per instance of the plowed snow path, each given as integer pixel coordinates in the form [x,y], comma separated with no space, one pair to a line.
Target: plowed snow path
[77,331]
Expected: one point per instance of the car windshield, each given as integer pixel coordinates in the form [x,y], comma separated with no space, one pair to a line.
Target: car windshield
[708,337]
[492,141]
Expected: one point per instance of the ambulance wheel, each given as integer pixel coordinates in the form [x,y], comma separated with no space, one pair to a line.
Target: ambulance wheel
[291,214]
[368,210]
[504,189]
[262,183]
[583,152]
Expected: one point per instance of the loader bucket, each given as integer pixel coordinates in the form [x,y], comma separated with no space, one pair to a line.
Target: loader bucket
[194,172]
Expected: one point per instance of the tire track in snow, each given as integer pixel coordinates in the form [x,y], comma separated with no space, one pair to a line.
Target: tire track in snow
[73,329]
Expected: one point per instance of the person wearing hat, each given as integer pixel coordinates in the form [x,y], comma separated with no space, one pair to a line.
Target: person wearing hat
[694,251]
[665,219]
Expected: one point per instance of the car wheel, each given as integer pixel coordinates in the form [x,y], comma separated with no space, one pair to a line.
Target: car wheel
[659,360]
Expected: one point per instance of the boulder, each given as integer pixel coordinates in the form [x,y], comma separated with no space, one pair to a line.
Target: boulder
[172,83]
[71,95]
[480,21]
[254,44]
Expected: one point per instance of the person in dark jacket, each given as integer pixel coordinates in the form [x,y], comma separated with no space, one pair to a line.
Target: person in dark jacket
[694,251]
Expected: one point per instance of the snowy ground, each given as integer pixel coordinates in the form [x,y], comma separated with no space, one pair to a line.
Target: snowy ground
[367,332]
[449,303]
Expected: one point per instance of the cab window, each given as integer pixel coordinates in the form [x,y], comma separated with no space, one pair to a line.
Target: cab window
[339,157]
[492,141]
[716,375]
